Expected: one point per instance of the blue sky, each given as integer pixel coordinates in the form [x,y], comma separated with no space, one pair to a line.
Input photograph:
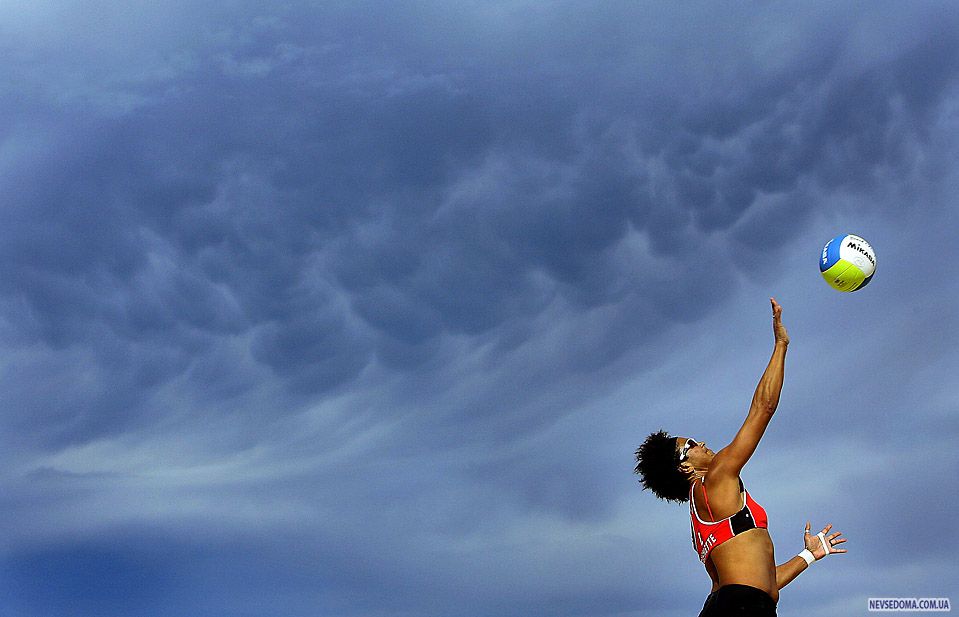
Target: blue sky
[361,308]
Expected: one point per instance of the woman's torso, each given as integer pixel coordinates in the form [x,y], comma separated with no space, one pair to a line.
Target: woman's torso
[746,558]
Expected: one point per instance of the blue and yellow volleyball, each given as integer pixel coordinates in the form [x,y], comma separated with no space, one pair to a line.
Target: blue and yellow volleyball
[847,263]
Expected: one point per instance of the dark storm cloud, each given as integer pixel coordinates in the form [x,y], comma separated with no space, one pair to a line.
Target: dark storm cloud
[281,144]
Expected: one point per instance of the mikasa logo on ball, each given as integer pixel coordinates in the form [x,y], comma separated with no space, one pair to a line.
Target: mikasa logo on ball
[857,247]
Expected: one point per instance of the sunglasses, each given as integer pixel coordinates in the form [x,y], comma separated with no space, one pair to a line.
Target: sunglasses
[684,451]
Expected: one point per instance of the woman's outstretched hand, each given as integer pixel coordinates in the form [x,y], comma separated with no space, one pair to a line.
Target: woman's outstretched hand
[779,330]
[823,543]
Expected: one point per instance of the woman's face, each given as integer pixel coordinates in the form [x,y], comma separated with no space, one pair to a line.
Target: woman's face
[694,452]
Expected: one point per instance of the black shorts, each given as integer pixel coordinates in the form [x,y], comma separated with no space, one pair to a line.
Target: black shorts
[739,601]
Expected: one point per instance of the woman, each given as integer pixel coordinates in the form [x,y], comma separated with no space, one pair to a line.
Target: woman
[728,526]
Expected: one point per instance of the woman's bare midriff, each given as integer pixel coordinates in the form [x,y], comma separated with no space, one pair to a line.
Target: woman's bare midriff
[745,559]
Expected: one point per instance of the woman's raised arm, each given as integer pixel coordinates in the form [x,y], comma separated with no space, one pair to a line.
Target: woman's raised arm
[730,460]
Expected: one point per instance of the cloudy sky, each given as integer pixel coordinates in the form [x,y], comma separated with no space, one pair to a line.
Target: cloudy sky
[361,308]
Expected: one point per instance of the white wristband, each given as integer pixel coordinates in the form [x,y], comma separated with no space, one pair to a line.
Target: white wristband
[807,555]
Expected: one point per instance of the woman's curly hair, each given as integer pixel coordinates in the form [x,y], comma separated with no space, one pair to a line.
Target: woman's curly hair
[657,463]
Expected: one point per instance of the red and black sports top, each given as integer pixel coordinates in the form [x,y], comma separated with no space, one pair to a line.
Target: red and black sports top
[707,535]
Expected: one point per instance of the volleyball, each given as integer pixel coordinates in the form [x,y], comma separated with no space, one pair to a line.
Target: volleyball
[847,263]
